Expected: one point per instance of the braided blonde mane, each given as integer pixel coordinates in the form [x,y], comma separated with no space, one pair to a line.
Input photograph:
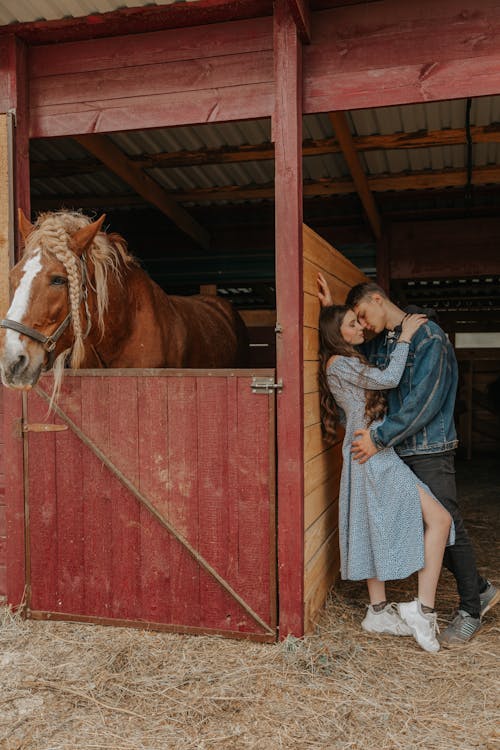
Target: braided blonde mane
[108,254]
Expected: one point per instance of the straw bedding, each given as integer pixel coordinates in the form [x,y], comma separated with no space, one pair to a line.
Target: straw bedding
[66,686]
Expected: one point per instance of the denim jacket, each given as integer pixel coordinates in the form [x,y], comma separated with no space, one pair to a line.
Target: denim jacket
[420,409]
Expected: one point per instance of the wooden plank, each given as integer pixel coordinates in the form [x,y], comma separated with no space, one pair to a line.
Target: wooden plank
[311,344]
[179,108]
[345,139]
[339,289]
[320,530]
[311,377]
[311,409]
[287,136]
[98,489]
[319,588]
[302,17]
[254,527]
[258,318]
[14,98]
[183,460]
[407,55]
[320,468]
[162,78]
[319,252]
[312,309]
[69,550]
[42,501]
[463,243]
[188,44]
[326,557]
[125,511]
[265,151]
[313,441]
[104,149]
[6,214]
[155,544]
[14,489]
[317,501]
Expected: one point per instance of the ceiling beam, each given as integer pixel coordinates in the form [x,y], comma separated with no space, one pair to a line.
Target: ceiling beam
[109,154]
[265,151]
[359,178]
[302,17]
[425,180]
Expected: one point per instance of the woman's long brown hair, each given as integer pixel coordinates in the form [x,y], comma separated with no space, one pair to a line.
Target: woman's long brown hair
[331,343]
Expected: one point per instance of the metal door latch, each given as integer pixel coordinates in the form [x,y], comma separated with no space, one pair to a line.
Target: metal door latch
[266,385]
[43,427]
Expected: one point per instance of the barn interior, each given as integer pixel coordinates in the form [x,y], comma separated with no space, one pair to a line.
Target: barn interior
[410,194]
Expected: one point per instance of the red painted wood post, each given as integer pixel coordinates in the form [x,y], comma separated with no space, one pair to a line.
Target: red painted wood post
[287,136]
[14,99]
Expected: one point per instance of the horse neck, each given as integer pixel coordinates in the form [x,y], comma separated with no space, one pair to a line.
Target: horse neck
[117,319]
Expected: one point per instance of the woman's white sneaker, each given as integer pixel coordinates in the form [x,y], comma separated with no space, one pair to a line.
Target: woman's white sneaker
[424,626]
[386,621]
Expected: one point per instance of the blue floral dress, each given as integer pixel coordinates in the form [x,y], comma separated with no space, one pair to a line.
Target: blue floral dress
[381,529]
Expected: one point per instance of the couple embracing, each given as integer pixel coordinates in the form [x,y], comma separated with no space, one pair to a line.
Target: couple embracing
[398,510]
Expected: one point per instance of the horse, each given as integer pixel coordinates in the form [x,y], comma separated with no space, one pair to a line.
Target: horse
[81,299]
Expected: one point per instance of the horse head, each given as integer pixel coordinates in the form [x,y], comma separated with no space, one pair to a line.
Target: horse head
[48,315]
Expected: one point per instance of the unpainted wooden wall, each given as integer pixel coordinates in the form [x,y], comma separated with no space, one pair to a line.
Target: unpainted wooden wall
[322,464]
[478,415]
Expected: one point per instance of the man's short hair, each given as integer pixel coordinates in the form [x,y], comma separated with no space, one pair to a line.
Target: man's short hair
[360,291]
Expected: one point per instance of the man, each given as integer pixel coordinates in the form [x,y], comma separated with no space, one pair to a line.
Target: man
[420,426]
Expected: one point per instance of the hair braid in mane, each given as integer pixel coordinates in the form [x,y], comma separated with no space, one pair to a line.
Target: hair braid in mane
[52,233]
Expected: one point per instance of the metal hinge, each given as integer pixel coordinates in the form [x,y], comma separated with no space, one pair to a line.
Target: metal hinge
[42,427]
[266,385]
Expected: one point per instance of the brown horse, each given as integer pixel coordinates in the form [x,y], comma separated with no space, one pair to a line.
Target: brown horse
[80,298]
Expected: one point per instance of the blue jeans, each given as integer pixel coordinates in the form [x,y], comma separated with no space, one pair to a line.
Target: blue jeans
[437,470]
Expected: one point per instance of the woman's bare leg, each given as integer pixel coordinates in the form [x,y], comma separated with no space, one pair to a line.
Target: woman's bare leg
[376,590]
[437,522]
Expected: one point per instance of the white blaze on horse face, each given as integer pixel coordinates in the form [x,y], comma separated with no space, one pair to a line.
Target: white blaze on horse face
[14,345]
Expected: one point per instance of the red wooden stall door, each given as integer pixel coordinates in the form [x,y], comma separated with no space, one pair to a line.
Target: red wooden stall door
[156,504]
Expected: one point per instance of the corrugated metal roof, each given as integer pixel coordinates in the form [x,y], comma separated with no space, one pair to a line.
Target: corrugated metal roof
[22,11]
[384,121]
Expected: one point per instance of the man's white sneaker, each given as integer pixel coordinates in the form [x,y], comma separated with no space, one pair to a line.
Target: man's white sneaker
[385,621]
[424,626]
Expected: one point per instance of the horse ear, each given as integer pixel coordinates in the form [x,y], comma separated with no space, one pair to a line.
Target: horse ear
[25,225]
[83,238]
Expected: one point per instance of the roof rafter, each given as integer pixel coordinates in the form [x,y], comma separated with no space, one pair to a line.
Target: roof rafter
[265,151]
[109,154]
[426,180]
[360,180]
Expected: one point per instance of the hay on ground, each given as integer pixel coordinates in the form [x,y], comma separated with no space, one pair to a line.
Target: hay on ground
[68,686]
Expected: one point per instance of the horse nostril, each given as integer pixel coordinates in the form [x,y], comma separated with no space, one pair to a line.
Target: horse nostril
[17,367]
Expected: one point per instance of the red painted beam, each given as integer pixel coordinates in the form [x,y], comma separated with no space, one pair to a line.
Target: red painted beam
[211,74]
[394,52]
[14,98]
[137,20]
[302,17]
[287,136]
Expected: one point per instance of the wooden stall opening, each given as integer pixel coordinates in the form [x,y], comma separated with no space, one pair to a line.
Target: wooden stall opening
[322,463]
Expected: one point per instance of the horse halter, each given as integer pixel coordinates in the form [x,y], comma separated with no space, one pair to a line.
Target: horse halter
[49,343]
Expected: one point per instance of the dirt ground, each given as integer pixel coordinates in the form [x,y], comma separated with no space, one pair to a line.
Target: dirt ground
[76,687]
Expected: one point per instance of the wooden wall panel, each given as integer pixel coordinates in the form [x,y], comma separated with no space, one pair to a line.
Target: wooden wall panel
[224,73]
[392,52]
[3,518]
[478,412]
[322,463]
[201,448]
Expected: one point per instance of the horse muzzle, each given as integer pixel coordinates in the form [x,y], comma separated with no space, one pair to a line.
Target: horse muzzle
[20,372]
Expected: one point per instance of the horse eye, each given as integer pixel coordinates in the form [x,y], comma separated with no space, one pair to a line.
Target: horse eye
[58,280]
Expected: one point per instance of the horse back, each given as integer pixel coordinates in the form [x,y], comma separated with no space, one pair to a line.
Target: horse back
[217,337]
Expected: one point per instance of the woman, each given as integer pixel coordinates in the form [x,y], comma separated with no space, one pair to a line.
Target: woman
[390,524]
